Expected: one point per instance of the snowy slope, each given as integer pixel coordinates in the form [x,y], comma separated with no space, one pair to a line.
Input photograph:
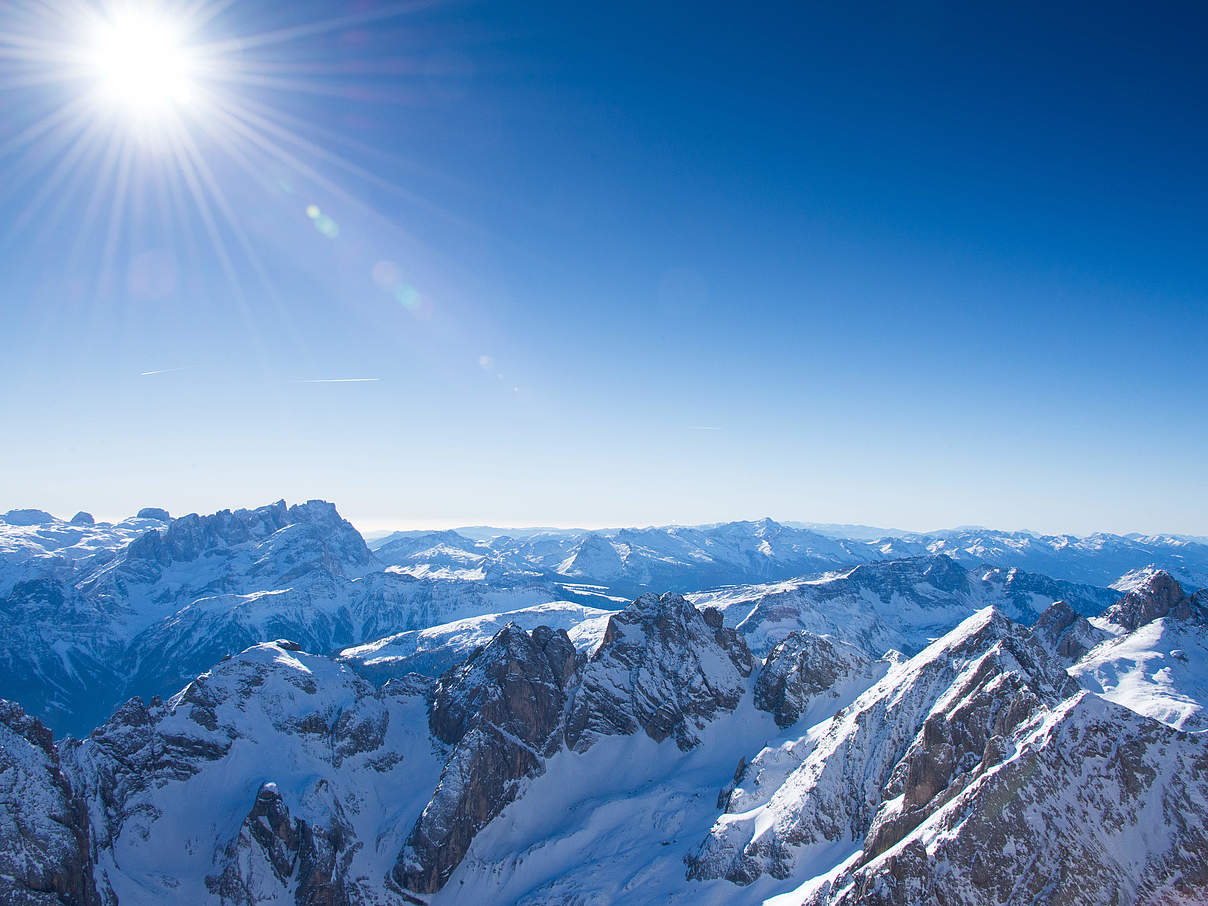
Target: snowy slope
[1159,670]
[901,604]
[43,545]
[434,650]
[170,789]
[1155,658]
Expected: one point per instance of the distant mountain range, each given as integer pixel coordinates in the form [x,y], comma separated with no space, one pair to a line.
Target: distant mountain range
[692,557]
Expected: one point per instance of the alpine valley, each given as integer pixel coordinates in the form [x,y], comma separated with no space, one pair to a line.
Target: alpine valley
[257,706]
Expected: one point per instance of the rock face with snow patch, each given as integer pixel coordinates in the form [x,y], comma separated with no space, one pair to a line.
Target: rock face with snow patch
[1086,804]
[664,668]
[804,666]
[278,857]
[901,750]
[1159,596]
[44,851]
[502,712]
[1065,634]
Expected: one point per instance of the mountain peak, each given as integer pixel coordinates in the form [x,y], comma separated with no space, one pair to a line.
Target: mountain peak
[27,517]
[1158,595]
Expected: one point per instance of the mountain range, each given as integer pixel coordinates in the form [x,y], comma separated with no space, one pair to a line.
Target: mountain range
[262,708]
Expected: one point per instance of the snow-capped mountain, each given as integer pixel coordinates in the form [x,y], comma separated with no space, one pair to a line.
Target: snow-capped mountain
[977,771]
[898,604]
[630,560]
[34,543]
[460,719]
[700,557]
[155,609]
[94,612]
[1098,559]
[1153,657]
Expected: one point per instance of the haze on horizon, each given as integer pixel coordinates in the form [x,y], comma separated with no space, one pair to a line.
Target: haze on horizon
[515,264]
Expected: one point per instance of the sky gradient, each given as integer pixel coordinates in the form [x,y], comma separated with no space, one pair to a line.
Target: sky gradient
[912,265]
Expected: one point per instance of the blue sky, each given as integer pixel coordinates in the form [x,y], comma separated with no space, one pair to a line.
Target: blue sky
[903,265]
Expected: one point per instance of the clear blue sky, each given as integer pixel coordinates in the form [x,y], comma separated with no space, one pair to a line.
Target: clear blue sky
[903,264]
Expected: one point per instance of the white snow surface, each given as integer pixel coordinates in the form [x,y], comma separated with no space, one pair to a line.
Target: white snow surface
[169,835]
[902,604]
[58,545]
[1159,670]
[435,649]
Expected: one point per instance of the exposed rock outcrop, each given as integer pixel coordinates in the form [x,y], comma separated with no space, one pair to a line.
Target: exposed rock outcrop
[663,668]
[278,857]
[804,666]
[502,712]
[1065,634]
[44,849]
[1159,596]
[902,749]
[1090,805]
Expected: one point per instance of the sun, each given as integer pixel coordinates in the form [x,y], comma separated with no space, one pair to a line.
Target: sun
[142,66]
[150,124]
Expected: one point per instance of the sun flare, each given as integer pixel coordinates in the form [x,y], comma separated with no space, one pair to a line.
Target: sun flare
[154,118]
[141,65]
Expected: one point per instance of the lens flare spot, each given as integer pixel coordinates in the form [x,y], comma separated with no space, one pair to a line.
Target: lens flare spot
[386,275]
[407,296]
[313,212]
[326,226]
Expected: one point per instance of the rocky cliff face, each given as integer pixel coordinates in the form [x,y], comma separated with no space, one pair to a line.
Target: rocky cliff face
[44,851]
[663,668]
[278,857]
[1159,596]
[502,712]
[905,746]
[1065,634]
[1086,803]
[804,667]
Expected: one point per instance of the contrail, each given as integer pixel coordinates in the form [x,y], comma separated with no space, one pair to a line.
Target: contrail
[160,371]
[339,380]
